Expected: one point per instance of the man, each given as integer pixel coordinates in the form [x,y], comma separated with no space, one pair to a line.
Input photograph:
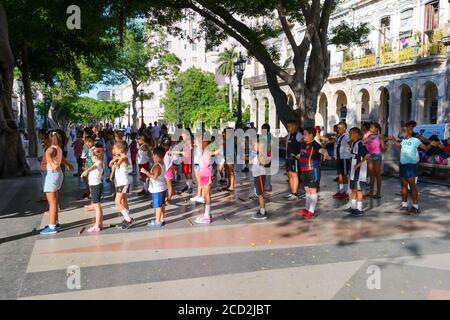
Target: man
[128,133]
[156,131]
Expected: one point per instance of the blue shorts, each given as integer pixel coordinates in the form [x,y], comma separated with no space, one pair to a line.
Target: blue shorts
[376,157]
[408,170]
[53,181]
[159,199]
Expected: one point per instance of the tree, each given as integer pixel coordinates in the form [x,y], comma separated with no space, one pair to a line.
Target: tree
[226,68]
[12,160]
[254,24]
[141,57]
[200,99]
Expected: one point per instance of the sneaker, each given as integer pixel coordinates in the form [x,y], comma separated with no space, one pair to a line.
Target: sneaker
[188,191]
[357,213]
[48,230]
[403,209]
[259,216]
[414,210]
[293,197]
[350,210]
[301,196]
[153,224]
[125,224]
[302,212]
[198,200]
[309,215]
[337,195]
[93,229]
[289,195]
[203,219]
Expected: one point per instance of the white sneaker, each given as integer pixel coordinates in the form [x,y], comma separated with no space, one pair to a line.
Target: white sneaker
[289,195]
[292,197]
[198,199]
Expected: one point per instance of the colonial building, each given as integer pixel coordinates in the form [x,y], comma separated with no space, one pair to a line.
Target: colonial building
[400,73]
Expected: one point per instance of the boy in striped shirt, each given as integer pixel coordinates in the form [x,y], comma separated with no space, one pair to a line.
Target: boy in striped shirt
[311,153]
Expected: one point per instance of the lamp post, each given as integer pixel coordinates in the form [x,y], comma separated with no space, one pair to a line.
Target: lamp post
[129,107]
[239,68]
[141,96]
[178,91]
[21,120]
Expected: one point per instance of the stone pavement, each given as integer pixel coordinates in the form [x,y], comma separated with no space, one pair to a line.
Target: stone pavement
[235,257]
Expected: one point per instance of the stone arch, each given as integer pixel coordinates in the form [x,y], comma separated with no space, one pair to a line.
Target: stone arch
[321,118]
[430,94]
[406,104]
[363,106]
[380,112]
[340,105]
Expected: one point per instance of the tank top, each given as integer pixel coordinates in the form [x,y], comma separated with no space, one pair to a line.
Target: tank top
[57,160]
[142,156]
[158,184]
[121,176]
[206,164]
[373,143]
[95,176]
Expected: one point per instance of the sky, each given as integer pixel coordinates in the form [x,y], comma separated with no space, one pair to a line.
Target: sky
[97,88]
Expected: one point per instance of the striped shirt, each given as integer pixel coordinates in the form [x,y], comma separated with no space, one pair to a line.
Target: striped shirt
[310,156]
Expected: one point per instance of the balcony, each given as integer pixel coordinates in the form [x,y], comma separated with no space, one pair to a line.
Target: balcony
[393,57]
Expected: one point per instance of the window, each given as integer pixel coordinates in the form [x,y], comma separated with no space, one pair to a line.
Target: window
[194,59]
[194,47]
[406,19]
[431,16]
[169,45]
[385,34]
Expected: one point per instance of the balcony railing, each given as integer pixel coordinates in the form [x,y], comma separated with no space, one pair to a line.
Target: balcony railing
[407,54]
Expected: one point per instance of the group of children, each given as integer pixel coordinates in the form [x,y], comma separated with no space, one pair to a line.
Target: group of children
[357,153]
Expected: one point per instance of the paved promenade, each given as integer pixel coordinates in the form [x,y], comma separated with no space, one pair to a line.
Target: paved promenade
[233,258]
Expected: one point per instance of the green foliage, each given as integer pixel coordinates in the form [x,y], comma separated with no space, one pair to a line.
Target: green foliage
[200,99]
[347,35]
[87,110]
[225,62]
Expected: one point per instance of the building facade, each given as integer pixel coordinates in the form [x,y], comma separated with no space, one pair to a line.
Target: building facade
[400,73]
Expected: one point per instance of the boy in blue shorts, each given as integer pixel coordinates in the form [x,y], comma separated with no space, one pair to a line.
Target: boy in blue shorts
[409,157]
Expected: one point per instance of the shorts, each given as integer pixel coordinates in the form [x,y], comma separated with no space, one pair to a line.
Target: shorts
[291,165]
[259,183]
[96,193]
[186,168]
[53,181]
[205,181]
[408,170]
[311,179]
[343,166]
[79,161]
[376,157]
[355,185]
[146,166]
[159,199]
[170,174]
[43,175]
[122,189]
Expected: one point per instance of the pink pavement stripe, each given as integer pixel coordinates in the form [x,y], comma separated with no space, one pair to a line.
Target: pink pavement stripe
[439,295]
[295,233]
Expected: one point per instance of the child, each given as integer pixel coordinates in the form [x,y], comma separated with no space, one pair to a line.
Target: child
[87,152]
[170,168]
[133,146]
[186,163]
[293,143]
[342,155]
[77,146]
[158,187]
[358,171]
[375,144]
[409,157]
[143,161]
[122,182]
[197,159]
[95,174]
[261,157]
[309,159]
[206,181]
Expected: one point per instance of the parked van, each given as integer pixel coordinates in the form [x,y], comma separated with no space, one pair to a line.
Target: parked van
[427,130]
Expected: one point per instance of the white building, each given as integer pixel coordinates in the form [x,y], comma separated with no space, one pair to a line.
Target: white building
[191,55]
[400,73]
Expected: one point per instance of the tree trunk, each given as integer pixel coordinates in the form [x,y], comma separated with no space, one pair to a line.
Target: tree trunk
[134,107]
[12,159]
[284,112]
[230,94]
[31,123]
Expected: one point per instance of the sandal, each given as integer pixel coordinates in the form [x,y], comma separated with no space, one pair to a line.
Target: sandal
[93,229]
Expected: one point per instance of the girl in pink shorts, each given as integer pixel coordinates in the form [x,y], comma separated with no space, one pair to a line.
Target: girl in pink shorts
[206,181]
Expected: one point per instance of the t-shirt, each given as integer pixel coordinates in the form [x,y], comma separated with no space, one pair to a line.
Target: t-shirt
[310,155]
[89,161]
[358,152]
[95,176]
[342,147]
[409,153]
[293,143]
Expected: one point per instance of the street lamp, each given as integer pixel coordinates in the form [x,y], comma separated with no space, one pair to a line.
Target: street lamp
[239,68]
[178,91]
[141,96]
[129,107]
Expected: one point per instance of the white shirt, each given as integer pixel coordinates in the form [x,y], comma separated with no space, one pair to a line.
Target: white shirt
[344,146]
[95,176]
[142,156]
[159,184]
[121,176]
